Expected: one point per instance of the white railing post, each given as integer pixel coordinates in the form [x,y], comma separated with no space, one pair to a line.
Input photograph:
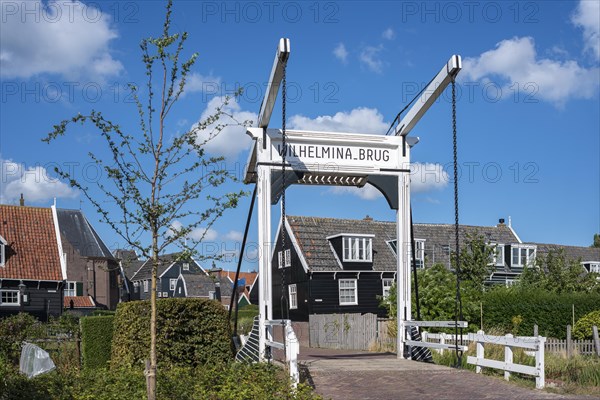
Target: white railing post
[479,351]
[508,357]
[292,347]
[424,335]
[442,341]
[540,379]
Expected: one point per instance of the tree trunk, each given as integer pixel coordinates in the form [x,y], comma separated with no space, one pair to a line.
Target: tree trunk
[151,368]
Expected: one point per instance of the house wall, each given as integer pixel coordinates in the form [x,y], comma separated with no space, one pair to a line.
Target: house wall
[45,299]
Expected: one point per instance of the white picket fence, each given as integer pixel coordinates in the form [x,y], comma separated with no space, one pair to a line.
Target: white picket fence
[531,343]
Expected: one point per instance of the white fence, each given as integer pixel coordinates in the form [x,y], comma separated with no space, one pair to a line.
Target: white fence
[342,331]
[531,343]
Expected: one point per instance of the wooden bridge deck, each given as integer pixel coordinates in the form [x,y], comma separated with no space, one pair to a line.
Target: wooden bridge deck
[357,375]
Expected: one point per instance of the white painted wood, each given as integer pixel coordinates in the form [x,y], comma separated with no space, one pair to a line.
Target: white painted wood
[508,357]
[281,58]
[479,351]
[540,380]
[484,362]
[429,95]
[523,342]
[438,324]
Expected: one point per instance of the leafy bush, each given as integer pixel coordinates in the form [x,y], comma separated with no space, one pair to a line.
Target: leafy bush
[552,312]
[583,326]
[584,371]
[96,339]
[217,381]
[190,332]
[14,330]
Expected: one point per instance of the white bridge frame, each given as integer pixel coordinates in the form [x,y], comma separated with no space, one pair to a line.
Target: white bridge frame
[344,159]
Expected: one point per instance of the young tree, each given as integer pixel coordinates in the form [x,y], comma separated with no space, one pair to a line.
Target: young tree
[156,180]
[476,258]
[596,240]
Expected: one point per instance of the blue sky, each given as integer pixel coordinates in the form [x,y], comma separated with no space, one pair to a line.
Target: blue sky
[528,110]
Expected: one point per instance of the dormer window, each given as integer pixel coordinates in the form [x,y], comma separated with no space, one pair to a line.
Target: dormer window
[522,255]
[358,248]
[497,256]
[592,266]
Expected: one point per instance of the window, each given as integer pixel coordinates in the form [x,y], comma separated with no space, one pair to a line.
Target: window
[159,294]
[293,292]
[420,253]
[212,295]
[9,298]
[285,258]
[357,248]
[136,287]
[497,256]
[71,289]
[592,267]
[387,284]
[522,255]
[172,284]
[179,291]
[146,286]
[347,289]
[165,294]
[186,266]
[392,244]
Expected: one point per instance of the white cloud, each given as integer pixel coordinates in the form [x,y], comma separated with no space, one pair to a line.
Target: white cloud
[236,236]
[388,34]
[362,120]
[202,83]
[34,182]
[370,57]
[515,61]
[341,53]
[232,139]
[587,17]
[426,177]
[197,234]
[61,37]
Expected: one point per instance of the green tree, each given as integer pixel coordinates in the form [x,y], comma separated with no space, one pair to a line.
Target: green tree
[555,272]
[476,258]
[163,185]
[596,240]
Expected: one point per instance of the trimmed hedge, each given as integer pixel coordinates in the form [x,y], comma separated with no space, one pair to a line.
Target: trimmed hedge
[96,339]
[190,332]
[552,312]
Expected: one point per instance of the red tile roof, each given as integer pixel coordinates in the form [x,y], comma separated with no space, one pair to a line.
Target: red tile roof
[79,302]
[32,250]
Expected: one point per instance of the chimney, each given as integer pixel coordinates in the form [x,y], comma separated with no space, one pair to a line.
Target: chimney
[367,218]
[22,200]
[501,222]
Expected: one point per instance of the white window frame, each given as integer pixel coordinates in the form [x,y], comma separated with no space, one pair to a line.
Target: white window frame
[288,257]
[10,304]
[159,294]
[420,252]
[293,296]
[357,248]
[354,288]
[2,254]
[186,266]
[280,259]
[529,256]
[386,284]
[165,294]
[146,286]
[70,287]
[497,256]
[594,266]
[172,284]
[212,295]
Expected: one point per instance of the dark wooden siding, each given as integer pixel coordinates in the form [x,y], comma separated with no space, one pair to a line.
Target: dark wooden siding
[324,293]
[44,300]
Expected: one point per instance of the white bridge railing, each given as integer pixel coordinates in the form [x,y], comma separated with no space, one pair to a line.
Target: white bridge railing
[531,343]
[291,347]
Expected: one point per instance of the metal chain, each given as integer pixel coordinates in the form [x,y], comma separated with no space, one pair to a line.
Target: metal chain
[458,303]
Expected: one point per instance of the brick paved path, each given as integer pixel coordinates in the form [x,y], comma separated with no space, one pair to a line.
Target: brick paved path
[346,375]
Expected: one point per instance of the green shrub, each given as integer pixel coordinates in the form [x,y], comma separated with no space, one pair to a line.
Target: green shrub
[96,339]
[583,326]
[552,312]
[584,371]
[97,313]
[190,332]
[14,330]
